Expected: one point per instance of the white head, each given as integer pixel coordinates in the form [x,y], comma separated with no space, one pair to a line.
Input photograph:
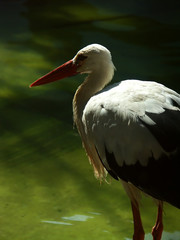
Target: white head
[92,59]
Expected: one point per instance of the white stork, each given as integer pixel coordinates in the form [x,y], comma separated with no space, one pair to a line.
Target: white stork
[130,130]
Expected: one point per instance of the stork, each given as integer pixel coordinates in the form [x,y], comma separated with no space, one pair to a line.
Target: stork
[130,130]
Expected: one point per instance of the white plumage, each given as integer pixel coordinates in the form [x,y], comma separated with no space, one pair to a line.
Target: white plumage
[130,130]
[111,119]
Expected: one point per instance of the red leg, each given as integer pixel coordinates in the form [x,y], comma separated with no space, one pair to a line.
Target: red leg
[158,227]
[138,227]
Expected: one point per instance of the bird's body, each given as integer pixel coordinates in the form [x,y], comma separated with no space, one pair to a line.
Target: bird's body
[130,130]
[121,122]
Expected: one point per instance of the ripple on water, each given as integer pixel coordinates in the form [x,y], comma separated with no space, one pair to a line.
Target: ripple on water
[76,217]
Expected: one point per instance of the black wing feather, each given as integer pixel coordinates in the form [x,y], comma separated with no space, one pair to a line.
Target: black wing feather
[161,177]
[166,129]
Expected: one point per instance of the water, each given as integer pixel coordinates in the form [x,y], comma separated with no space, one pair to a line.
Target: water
[47,187]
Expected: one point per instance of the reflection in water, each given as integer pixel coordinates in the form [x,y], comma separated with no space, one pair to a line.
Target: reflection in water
[165,236]
[171,236]
[95,213]
[79,218]
[56,222]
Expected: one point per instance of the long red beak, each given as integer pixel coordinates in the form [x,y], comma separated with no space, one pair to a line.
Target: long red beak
[66,70]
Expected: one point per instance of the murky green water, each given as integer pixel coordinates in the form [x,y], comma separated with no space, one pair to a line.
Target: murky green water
[47,187]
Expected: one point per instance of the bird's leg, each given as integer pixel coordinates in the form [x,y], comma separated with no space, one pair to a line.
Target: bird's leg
[158,227]
[138,227]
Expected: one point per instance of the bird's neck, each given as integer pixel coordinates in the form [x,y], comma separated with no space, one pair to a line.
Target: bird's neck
[93,83]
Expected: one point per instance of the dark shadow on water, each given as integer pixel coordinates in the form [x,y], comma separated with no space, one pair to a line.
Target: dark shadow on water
[64,32]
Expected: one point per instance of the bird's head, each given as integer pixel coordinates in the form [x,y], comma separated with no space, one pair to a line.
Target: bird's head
[87,60]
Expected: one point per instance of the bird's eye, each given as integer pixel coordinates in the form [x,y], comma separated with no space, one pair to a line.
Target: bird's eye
[80,58]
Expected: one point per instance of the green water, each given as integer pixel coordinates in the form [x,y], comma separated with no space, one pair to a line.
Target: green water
[47,187]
